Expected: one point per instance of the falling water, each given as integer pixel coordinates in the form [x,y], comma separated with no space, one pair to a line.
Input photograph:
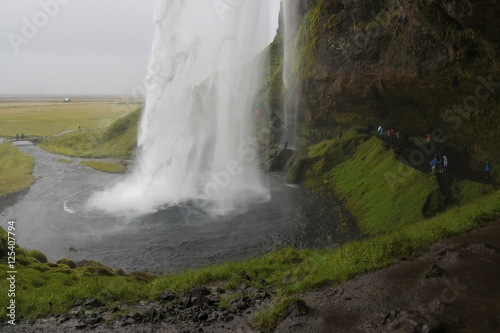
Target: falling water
[196,139]
[290,19]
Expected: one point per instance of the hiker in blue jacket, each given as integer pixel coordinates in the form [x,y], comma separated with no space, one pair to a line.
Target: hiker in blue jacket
[488,169]
[434,164]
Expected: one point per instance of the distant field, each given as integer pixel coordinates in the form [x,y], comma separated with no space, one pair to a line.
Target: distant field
[46,118]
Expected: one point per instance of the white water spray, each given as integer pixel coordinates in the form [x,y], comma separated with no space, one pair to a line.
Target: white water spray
[292,92]
[196,139]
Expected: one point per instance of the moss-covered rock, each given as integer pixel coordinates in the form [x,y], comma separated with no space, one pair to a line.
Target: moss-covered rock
[35,264]
[63,269]
[22,258]
[68,262]
[38,256]
[94,268]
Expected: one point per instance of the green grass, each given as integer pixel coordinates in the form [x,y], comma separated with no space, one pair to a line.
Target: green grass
[16,170]
[287,272]
[466,190]
[108,167]
[65,160]
[266,320]
[46,119]
[119,140]
[381,192]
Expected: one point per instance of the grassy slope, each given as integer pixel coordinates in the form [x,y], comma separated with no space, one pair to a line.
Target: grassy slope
[15,170]
[286,272]
[379,201]
[117,141]
[45,119]
[361,170]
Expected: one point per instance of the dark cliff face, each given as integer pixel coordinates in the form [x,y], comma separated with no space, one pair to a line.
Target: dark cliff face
[408,64]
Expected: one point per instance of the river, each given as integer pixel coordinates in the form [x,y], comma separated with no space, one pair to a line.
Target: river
[51,217]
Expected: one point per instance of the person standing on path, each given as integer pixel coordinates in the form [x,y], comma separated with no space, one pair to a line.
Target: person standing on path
[488,169]
[434,164]
[445,163]
[381,131]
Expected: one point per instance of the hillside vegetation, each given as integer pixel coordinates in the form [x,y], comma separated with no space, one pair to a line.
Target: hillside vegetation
[16,170]
[119,140]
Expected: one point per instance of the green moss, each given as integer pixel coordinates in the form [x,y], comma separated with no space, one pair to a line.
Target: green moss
[325,155]
[93,268]
[38,256]
[304,45]
[68,262]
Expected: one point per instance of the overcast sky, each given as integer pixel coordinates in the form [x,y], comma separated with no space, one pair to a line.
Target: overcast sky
[78,46]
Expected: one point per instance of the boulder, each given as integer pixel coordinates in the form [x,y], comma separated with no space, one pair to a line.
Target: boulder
[38,256]
[68,262]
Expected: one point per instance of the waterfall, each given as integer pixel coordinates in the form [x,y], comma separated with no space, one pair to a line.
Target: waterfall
[290,21]
[196,138]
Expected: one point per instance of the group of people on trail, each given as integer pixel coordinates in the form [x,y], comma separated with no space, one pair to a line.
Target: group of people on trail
[391,134]
[441,164]
[439,161]
[17,137]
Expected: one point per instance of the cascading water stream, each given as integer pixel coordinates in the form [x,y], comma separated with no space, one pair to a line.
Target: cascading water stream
[196,139]
[290,19]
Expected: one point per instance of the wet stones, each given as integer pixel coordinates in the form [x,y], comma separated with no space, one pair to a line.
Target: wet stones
[92,303]
[195,311]
[166,295]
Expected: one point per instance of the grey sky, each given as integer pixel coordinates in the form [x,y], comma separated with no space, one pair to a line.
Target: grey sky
[77,46]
